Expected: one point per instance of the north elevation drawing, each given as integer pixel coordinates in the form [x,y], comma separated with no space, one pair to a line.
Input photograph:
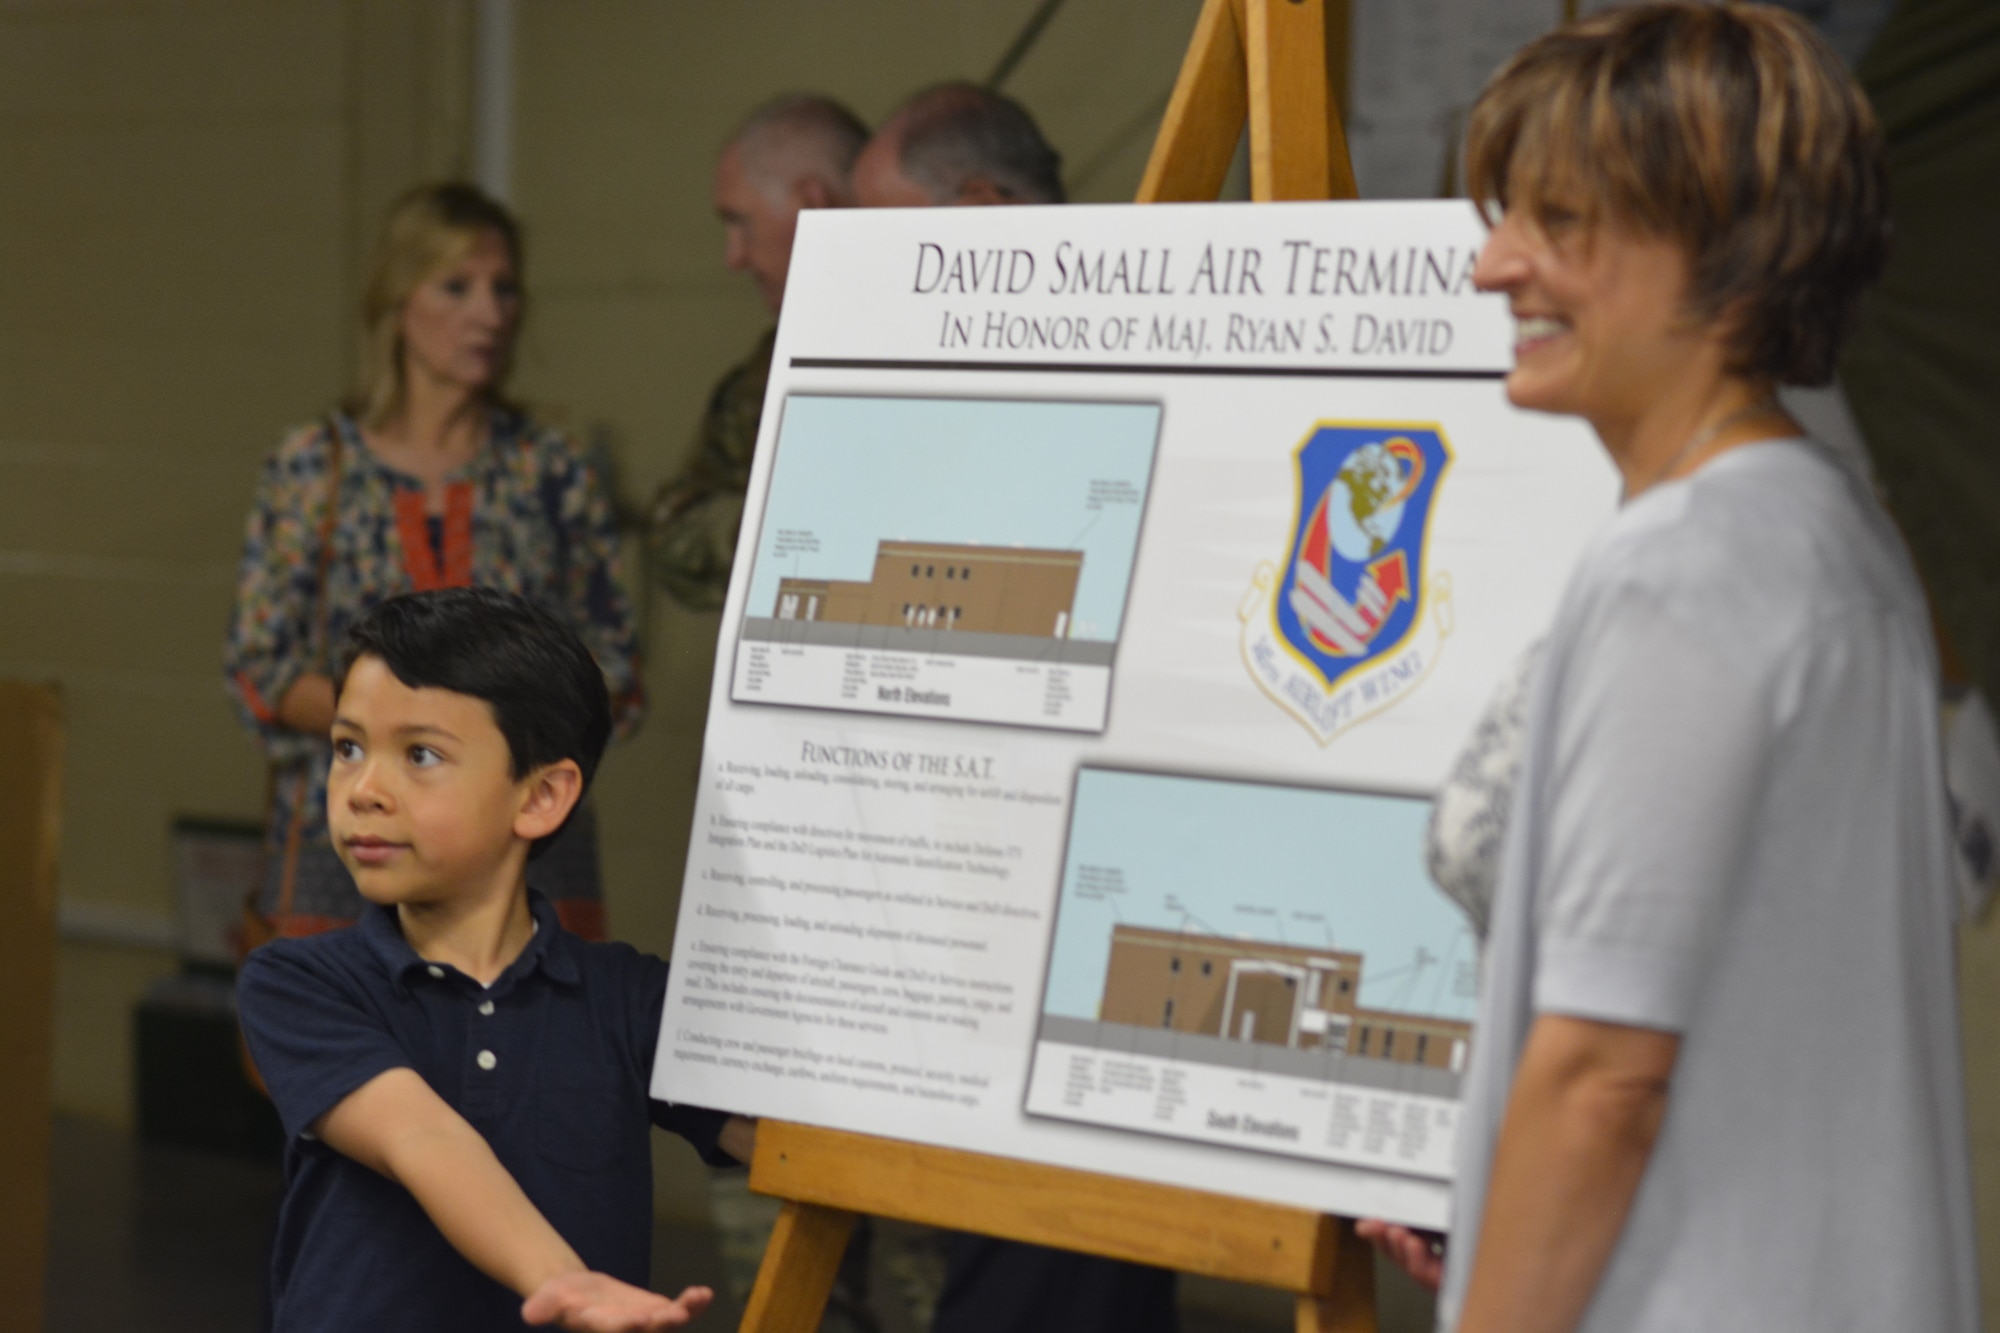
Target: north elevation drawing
[934,585]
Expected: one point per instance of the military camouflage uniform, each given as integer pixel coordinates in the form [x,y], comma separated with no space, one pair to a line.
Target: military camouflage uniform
[691,530]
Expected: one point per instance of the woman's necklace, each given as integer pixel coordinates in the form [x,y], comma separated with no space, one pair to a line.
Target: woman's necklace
[1700,438]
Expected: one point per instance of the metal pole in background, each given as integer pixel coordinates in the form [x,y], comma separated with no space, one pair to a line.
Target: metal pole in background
[493,98]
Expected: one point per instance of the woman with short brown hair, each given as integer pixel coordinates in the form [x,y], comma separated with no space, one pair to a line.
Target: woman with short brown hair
[427,477]
[1716,1081]
[1732,131]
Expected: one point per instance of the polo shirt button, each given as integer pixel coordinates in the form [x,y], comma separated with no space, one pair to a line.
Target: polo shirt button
[486,1007]
[486,1060]
[435,971]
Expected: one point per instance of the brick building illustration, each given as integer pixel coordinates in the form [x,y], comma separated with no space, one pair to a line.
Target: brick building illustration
[929,585]
[1276,994]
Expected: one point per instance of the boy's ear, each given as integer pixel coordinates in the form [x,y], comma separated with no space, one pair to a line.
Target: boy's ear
[550,793]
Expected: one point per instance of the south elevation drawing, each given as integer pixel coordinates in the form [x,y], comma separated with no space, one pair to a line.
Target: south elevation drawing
[1300,998]
[1254,928]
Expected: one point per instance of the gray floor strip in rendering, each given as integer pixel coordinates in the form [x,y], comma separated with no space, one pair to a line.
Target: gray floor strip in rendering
[1259,1057]
[930,642]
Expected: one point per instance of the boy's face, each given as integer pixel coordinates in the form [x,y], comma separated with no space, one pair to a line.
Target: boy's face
[421,799]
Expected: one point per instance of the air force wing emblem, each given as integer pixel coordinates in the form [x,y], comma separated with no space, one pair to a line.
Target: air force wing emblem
[1355,618]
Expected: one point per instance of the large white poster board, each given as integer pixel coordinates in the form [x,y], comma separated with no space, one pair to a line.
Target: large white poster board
[1116,585]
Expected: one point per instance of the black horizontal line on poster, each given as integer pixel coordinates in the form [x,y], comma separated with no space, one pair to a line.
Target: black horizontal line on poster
[1117,368]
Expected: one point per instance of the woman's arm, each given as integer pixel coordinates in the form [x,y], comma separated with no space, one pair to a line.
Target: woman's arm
[1586,1107]
[396,1125]
[272,646]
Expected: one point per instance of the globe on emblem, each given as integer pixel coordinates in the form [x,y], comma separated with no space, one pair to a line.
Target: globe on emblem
[1364,502]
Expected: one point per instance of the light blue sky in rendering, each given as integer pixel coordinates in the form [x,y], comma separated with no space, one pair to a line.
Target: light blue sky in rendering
[1289,854]
[857,471]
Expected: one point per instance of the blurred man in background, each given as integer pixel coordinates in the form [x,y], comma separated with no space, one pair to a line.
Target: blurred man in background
[791,154]
[957,143]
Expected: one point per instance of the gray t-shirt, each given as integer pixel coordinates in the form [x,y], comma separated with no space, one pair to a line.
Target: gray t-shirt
[1732,825]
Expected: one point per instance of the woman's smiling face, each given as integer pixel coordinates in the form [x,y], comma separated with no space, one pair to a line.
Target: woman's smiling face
[1600,313]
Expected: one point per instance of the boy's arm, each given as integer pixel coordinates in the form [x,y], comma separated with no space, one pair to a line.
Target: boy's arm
[396,1125]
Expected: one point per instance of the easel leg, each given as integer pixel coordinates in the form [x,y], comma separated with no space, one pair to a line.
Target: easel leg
[1349,1305]
[1198,137]
[798,1270]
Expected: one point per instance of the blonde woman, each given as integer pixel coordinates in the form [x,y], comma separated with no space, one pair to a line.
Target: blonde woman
[427,477]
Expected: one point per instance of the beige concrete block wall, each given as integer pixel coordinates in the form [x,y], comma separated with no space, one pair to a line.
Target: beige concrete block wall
[189,189]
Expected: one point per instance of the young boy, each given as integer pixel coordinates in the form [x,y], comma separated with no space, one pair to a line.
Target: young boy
[463,1084]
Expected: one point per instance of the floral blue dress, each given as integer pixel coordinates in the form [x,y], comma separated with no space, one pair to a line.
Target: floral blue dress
[526,515]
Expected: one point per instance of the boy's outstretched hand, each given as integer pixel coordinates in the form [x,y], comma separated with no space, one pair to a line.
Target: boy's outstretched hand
[594,1303]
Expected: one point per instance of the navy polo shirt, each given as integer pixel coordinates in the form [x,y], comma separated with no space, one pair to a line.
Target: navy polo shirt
[551,1064]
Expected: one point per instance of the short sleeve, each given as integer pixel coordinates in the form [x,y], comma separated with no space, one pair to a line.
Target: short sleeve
[1655,768]
[313,1034]
[701,1127]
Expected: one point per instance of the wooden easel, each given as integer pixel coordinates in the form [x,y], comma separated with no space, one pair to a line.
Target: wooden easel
[1267,62]
[1274,63]
[30,802]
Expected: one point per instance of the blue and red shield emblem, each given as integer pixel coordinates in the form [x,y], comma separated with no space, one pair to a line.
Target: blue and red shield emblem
[1353,586]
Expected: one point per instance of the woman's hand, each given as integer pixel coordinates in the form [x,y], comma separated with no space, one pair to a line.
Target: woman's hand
[1418,1253]
[595,1303]
[739,1138]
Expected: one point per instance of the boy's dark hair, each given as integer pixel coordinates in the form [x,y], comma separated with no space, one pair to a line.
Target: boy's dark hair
[546,691]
